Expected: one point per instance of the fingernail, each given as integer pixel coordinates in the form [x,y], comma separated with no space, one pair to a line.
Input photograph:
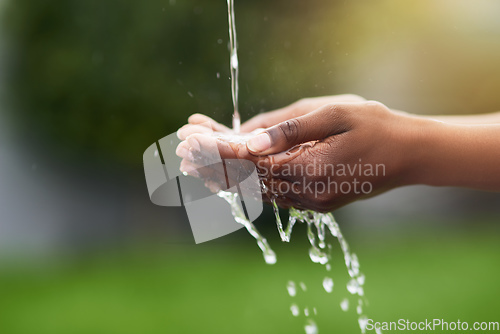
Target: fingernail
[194,144]
[179,134]
[259,143]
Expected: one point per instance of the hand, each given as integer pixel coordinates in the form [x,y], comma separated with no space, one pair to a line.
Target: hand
[265,120]
[340,152]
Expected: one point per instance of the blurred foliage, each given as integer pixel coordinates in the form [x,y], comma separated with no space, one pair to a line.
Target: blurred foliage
[110,77]
[113,76]
[225,287]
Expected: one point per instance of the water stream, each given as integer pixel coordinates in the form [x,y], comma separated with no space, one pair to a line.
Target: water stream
[233,65]
[318,224]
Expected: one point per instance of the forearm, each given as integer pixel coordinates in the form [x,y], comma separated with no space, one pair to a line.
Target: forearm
[446,154]
[491,118]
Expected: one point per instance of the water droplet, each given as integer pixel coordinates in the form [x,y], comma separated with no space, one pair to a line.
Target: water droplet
[355,264]
[190,94]
[269,256]
[219,41]
[363,321]
[344,304]
[359,309]
[292,290]
[315,311]
[185,173]
[306,312]
[218,75]
[328,284]
[156,153]
[352,286]
[239,216]
[234,60]
[311,327]
[317,256]
[328,267]
[378,330]
[361,279]
[295,310]
[303,286]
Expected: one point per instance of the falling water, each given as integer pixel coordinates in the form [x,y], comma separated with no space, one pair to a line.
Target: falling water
[234,65]
[239,216]
[317,223]
[319,252]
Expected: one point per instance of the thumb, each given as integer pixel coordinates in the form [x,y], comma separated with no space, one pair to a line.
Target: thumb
[326,121]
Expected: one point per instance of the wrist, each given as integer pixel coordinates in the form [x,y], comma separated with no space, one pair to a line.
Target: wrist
[421,140]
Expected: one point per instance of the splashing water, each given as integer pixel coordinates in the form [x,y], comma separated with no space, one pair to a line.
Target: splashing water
[295,310]
[239,216]
[317,223]
[292,290]
[311,327]
[344,305]
[328,284]
[318,253]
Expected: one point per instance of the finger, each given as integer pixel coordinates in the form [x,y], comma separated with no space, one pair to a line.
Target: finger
[186,152]
[205,121]
[214,173]
[326,121]
[216,148]
[268,119]
[190,129]
[224,175]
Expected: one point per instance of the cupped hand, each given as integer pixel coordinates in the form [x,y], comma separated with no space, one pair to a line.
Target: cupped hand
[322,159]
[268,119]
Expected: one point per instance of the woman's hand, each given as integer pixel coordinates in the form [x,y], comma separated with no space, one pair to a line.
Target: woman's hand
[340,152]
[268,119]
[326,157]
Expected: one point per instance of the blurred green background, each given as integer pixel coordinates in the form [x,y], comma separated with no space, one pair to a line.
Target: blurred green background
[87,86]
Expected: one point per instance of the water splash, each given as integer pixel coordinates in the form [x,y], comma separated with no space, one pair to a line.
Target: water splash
[319,252]
[295,310]
[311,327]
[344,304]
[328,284]
[239,217]
[292,290]
[317,223]
[363,322]
[284,234]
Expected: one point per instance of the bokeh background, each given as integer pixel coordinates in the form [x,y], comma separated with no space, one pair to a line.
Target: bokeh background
[87,86]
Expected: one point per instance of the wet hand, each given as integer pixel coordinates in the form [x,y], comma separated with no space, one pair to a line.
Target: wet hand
[321,160]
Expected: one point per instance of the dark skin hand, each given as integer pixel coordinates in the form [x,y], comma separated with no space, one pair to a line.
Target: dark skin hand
[344,148]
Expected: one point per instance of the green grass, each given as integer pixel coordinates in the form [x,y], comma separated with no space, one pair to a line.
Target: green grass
[225,286]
